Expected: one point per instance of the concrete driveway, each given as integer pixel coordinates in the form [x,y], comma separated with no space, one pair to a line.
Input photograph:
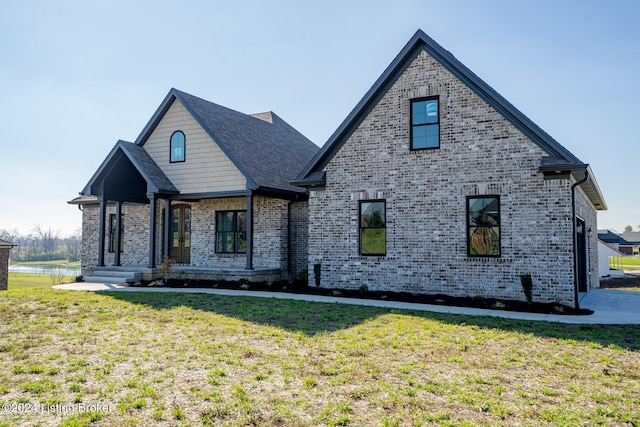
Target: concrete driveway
[609,306]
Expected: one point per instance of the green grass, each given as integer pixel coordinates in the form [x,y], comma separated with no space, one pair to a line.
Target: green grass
[33,281]
[187,359]
[629,262]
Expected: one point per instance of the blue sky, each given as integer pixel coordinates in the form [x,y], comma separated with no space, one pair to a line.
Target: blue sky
[76,76]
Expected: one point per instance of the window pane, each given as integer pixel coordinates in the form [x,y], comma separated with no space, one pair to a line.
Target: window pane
[225,242]
[484,240]
[484,211]
[373,241]
[177,147]
[424,112]
[425,136]
[241,221]
[372,214]
[225,221]
[242,242]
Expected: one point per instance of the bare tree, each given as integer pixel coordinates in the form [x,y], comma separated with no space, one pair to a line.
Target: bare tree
[47,239]
[74,244]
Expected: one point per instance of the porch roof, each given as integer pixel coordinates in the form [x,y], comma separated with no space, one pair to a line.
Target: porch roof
[128,173]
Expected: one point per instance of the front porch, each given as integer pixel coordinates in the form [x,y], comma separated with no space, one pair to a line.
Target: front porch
[135,273]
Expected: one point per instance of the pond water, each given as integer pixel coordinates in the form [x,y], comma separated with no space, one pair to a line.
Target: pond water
[45,269]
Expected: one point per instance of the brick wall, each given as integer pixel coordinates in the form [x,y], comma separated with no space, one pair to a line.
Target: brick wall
[4,268]
[585,210]
[270,234]
[425,192]
[299,237]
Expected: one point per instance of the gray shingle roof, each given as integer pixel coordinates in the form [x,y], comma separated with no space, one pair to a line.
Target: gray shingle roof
[157,181]
[269,153]
[633,237]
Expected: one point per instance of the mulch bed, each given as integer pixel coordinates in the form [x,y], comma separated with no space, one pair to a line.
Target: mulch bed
[626,281]
[303,288]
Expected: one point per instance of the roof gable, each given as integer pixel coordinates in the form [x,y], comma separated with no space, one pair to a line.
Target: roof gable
[265,149]
[421,42]
[156,181]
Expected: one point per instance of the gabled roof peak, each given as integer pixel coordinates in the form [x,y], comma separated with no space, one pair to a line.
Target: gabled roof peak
[267,116]
[264,148]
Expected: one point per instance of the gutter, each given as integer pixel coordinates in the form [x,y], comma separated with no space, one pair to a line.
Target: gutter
[575,237]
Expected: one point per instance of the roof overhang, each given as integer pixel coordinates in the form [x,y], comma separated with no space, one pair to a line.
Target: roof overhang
[6,245]
[557,168]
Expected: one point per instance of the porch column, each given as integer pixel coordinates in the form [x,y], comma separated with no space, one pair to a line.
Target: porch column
[167,227]
[152,229]
[116,261]
[249,231]
[103,214]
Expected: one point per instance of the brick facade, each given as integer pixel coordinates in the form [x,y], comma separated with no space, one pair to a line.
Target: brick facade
[4,268]
[270,239]
[480,153]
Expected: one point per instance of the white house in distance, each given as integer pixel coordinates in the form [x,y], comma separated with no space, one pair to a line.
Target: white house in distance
[433,184]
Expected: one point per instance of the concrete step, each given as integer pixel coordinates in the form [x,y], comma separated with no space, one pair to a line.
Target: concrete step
[113,276]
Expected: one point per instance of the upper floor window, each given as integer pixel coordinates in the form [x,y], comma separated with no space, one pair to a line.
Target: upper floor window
[425,123]
[483,225]
[231,232]
[373,227]
[177,147]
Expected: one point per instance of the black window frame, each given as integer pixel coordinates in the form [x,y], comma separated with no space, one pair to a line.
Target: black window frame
[469,226]
[236,232]
[412,125]
[184,147]
[113,234]
[361,227]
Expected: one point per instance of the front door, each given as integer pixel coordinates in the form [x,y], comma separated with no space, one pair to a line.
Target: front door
[180,247]
[581,255]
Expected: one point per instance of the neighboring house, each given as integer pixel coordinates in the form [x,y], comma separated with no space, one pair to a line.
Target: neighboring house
[605,251]
[436,184]
[612,239]
[5,247]
[208,187]
[433,184]
[632,244]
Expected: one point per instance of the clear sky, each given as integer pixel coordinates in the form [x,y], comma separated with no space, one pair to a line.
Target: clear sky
[76,76]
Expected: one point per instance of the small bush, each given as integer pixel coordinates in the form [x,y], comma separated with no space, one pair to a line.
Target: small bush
[303,275]
[79,278]
[363,289]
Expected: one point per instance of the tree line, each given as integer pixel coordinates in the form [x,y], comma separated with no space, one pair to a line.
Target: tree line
[43,244]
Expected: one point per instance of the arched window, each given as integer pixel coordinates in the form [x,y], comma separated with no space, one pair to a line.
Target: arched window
[178,143]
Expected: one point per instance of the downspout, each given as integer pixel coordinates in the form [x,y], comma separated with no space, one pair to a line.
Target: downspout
[575,237]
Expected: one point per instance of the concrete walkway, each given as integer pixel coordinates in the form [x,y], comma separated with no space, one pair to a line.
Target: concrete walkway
[609,306]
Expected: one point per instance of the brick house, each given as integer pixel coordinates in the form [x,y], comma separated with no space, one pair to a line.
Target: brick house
[205,185]
[436,184]
[433,184]
[5,247]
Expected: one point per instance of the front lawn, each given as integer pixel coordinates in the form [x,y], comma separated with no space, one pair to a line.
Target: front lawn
[31,281]
[187,359]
